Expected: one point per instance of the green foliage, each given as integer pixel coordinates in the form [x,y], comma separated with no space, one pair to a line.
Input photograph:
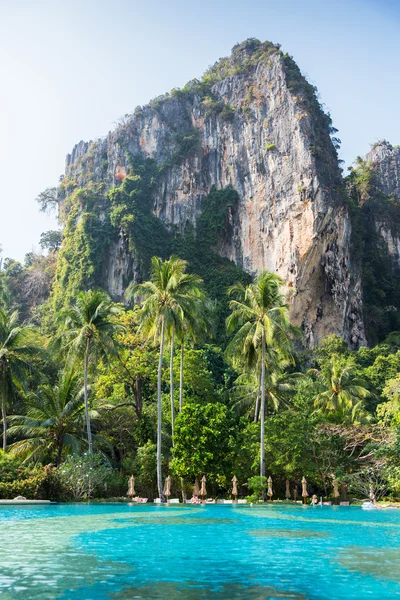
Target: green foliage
[245,56]
[48,200]
[86,239]
[85,476]
[323,146]
[203,442]
[51,240]
[257,485]
[131,212]
[34,483]
[215,107]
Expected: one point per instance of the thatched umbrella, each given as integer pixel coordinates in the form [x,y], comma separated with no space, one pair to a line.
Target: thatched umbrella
[270,491]
[304,492]
[343,489]
[203,490]
[131,487]
[295,493]
[287,493]
[234,488]
[196,487]
[167,487]
[336,493]
[371,493]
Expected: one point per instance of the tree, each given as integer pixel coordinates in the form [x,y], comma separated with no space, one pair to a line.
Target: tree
[278,386]
[341,393]
[89,328]
[204,441]
[194,326]
[260,317]
[51,240]
[168,296]
[54,420]
[16,353]
[48,200]
[186,318]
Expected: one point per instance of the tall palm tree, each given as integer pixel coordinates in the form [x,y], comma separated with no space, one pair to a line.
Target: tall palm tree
[54,420]
[16,353]
[170,294]
[279,384]
[260,317]
[194,327]
[341,393]
[90,327]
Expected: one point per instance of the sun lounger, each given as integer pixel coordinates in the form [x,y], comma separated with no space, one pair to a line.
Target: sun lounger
[344,503]
[228,501]
[157,500]
[174,501]
[242,501]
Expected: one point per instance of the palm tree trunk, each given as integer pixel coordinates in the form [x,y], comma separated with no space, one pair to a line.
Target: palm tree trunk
[257,408]
[181,379]
[159,414]
[59,452]
[4,410]
[171,383]
[262,415]
[85,391]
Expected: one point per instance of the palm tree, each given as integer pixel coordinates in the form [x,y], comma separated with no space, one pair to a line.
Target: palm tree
[341,393]
[279,384]
[54,420]
[193,327]
[170,294]
[16,352]
[260,318]
[89,328]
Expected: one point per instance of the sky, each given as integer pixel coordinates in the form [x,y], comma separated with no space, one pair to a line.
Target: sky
[69,70]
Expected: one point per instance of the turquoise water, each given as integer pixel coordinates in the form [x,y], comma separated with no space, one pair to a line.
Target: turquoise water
[198,552]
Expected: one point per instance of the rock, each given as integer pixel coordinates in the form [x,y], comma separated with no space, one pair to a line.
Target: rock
[275,151]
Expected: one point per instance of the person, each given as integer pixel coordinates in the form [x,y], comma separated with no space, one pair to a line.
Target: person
[314,500]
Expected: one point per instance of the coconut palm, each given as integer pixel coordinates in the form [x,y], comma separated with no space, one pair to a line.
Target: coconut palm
[341,393]
[260,318]
[170,294]
[16,353]
[54,420]
[89,328]
[187,311]
[279,384]
[193,327]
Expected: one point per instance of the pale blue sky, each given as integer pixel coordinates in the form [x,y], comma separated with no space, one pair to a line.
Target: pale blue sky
[70,69]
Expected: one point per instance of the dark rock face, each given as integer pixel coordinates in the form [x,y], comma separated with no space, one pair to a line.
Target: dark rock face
[256,133]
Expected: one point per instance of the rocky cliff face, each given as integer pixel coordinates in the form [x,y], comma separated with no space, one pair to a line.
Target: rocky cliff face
[384,159]
[252,123]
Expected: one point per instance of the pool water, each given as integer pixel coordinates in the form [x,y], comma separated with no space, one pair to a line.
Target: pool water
[188,552]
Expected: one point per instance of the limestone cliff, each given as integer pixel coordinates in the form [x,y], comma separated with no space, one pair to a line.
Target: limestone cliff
[255,124]
[384,160]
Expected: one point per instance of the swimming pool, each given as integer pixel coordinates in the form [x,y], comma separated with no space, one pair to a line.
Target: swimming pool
[188,552]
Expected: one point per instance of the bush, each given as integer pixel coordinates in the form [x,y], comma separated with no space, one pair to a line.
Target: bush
[34,483]
[86,476]
[258,486]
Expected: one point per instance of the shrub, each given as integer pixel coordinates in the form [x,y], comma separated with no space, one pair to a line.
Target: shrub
[257,485]
[85,476]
